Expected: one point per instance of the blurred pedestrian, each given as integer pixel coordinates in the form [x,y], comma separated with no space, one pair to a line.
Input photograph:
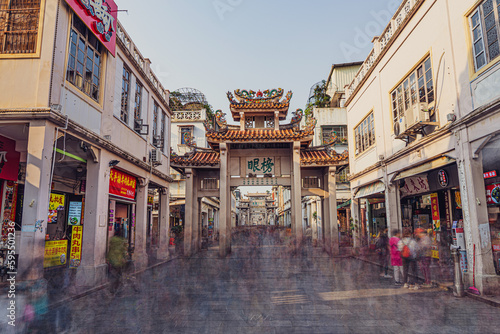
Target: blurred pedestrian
[382,248]
[424,255]
[396,260]
[408,248]
[117,259]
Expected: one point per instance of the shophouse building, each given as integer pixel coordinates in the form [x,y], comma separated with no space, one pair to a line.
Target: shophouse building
[422,117]
[327,99]
[84,129]
[190,108]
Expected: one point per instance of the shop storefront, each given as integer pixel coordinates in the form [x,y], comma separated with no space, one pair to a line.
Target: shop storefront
[11,194]
[372,211]
[432,201]
[491,174]
[64,233]
[122,189]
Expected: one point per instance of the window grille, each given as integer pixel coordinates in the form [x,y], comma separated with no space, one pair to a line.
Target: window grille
[364,134]
[19,21]
[125,94]
[485,28]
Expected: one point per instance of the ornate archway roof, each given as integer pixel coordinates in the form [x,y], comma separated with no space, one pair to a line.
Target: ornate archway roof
[254,103]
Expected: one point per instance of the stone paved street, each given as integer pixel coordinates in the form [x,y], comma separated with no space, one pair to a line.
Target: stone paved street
[266,289]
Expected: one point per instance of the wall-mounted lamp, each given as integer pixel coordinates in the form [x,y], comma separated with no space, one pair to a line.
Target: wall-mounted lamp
[113,163]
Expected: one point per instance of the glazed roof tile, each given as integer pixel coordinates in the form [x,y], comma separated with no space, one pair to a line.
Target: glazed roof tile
[260,134]
[196,159]
[318,157]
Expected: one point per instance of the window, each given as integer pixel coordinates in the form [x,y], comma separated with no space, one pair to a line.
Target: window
[19,26]
[84,59]
[416,87]
[155,120]
[138,101]
[364,134]
[125,94]
[184,130]
[342,176]
[484,26]
[326,133]
[162,131]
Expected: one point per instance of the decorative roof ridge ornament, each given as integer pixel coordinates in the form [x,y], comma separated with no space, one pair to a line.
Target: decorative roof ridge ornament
[310,123]
[251,97]
[220,118]
[189,139]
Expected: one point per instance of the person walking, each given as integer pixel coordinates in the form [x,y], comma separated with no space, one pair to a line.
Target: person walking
[408,248]
[396,260]
[424,258]
[117,259]
[382,248]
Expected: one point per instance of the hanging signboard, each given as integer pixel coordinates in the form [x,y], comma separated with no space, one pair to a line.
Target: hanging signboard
[55,253]
[75,251]
[75,213]
[436,223]
[260,166]
[493,194]
[490,174]
[122,184]
[101,17]
[415,185]
[9,159]
[56,203]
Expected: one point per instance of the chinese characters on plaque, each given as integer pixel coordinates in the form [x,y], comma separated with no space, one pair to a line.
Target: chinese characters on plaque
[260,166]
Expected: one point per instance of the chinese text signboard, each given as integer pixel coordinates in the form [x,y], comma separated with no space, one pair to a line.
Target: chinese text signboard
[493,194]
[9,159]
[100,16]
[260,166]
[122,184]
[436,223]
[75,251]
[415,185]
[75,213]
[55,253]
[56,203]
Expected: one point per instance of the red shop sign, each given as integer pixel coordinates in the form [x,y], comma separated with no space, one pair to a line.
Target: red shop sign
[101,17]
[493,193]
[122,184]
[9,159]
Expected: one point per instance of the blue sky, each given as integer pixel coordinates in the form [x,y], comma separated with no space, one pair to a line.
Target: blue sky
[221,45]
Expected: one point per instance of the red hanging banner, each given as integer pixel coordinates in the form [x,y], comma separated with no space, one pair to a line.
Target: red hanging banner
[436,223]
[101,17]
[122,184]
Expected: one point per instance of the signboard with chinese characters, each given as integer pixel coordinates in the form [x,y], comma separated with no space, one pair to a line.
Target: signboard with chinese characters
[122,184]
[260,166]
[436,223]
[55,253]
[415,185]
[9,159]
[100,16]
[260,181]
[75,251]
[493,194]
[490,174]
[56,203]
[75,213]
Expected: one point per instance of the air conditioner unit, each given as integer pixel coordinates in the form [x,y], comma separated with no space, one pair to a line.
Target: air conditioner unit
[140,127]
[158,141]
[156,156]
[417,113]
[400,126]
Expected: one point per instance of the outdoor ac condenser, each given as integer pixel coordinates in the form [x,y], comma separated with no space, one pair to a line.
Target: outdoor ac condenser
[416,114]
[156,156]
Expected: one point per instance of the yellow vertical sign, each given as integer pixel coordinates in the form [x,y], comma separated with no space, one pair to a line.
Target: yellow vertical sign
[75,251]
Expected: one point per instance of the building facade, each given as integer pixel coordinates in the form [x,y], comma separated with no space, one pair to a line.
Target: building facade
[327,100]
[87,123]
[422,119]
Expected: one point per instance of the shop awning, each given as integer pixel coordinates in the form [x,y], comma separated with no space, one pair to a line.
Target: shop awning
[370,189]
[343,205]
[443,161]
[178,202]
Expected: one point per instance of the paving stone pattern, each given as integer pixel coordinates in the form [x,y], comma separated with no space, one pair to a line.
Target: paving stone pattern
[265,288]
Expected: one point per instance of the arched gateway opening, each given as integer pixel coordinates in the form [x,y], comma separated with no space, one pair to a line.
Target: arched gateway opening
[260,152]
